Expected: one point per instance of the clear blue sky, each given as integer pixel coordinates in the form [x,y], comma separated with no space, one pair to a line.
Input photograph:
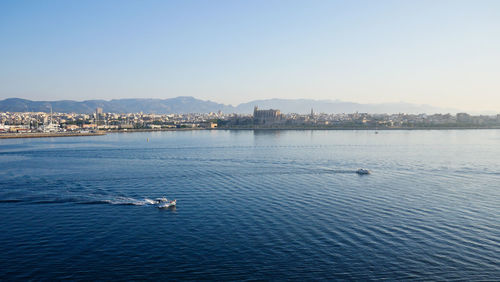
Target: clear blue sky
[444,53]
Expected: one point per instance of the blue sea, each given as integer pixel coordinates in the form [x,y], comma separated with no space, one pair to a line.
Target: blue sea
[252,205]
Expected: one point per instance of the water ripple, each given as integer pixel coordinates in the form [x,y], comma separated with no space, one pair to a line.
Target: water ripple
[252,206]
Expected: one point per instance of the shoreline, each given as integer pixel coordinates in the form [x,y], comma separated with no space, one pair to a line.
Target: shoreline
[363,128]
[105,132]
[154,130]
[48,135]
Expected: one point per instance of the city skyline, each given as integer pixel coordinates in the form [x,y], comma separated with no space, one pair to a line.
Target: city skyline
[440,53]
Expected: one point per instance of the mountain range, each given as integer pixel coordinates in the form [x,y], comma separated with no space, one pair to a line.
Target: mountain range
[193,105]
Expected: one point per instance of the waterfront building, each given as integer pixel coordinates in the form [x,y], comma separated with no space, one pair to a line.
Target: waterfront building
[270,116]
[464,118]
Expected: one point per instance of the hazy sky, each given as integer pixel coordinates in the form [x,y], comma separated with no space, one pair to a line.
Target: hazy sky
[443,53]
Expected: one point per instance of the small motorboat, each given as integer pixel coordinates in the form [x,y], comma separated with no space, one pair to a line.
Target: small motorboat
[166,204]
[362,171]
[161,200]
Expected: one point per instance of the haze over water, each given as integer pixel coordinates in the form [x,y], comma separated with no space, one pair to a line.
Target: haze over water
[252,205]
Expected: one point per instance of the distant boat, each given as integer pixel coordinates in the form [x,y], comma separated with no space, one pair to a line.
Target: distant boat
[362,171]
[164,203]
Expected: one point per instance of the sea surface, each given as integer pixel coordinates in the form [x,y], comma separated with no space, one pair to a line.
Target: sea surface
[252,205]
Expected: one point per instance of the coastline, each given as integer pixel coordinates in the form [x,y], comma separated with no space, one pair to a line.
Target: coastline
[47,135]
[155,130]
[100,133]
[360,128]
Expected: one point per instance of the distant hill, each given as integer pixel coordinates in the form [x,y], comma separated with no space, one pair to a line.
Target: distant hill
[193,105]
[304,106]
[173,105]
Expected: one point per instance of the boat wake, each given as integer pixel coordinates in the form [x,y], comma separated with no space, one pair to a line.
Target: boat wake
[327,170]
[84,200]
[124,201]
